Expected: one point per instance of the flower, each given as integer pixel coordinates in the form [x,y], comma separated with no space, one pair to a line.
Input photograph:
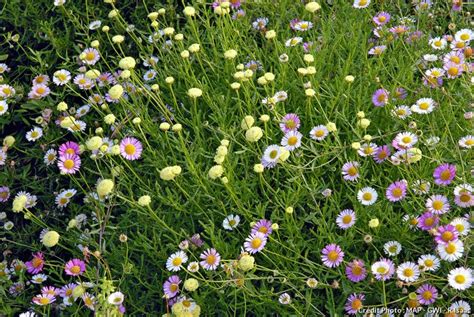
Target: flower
[144,200]
[408,272]
[381,18]
[36,264]
[427,294]
[38,278]
[461,225]
[437,204]
[43,299]
[396,191]
[428,262]
[292,140]
[69,163]
[332,255]
[354,303]
[355,271]
[263,226]
[460,278]
[131,148]
[105,187]
[216,171]
[127,63]
[271,155]
[290,122]
[69,147]
[350,171]
[116,298]
[427,221]
[284,299]
[460,307]
[194,92]
[423,106]
[191,284]
[75,267]
[405,140]
[383,269]
[254,134]
[90,56]
[34,134]
[312,6]
[176,260]
[255,242]
[450,251]
[319,132]
[246,262]
[346,219]
[170,172]
[230,222]
[445,234]
[392,248]
[210,259]
[50,239]
[367,196]
[361,4]
[444,174]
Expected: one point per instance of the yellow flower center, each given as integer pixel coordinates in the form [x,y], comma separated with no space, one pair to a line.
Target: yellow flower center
[44,300]
[40,90]
[445,175]
[76,269]
[459,227]
[130,149]
[319,133]
[429,263]
[427,295]
[346,219]
[464,197]
[447,236]
[352,171]
[453,71]
[406,139]
[90,56]
[357,270]
[173,287]
[460,279]
[68,164]
[367,196]
[424,105]
[256,243]
[356,304]
[397,192]
[464,37]
[437,205]
[292,140]
[211,259]
[36,262]
[450,248]
[333,255]
[177,261]
[382,18]
[381,270]
[408,272]
[470,142]
[455,59]
[273,154]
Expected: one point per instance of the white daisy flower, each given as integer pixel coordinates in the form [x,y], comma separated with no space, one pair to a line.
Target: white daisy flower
[467,142]
[450,251]
[408,272]
[406,140]
[50,156]
[3,107]
[292,140]
[94,25]
[293,41]
[462,225]
[367,149]
[175,261]
[392,248]
[464,35]
[438,43]
[319,132]
[116,298]
[367,196]
[460,278]
[361,4]
[430,57]
[284,299]
[193,267]
[429,262]
[231,222]
[401,112]
[82,111]
[79,126]
[34,134]
[38,278]
[421,187]
[423,106]
[61,77]
[460,308]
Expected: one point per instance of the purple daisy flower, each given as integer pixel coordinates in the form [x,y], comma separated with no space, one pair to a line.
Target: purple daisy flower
[427,221]
[350,171]
[355,271]
[453,70]
[70,148]
[332,255]
[446,234]
[255,242]
[4,193]
[381,18]
[380,97]
[36,264]
[131,148]
[196,240]
[171,286]
[238,14]
[50,290]
[69,163]
[383,269]
[263,226]
[75,267]
[427,294]
[290,122]
[433,82]
[400,93]
[381,154]
[346,219]
[444,174]
[66,290]
[354,303]
[210,259]
[396,191]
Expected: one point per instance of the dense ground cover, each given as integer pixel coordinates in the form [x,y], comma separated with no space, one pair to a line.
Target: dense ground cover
[236,158]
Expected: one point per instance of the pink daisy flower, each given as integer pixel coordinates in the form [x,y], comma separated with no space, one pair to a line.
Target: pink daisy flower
[381,18]
[50,290]
[69,164]
[66,290]
[263,226]
[332,255]
[255,242]
[354,303]
[36,264]
[75,267]
[346,219]
[381,154]
[350,171]
[69,147]
[355,271]
[171,286]
[210,259]
[444,174]
[4,193]
[396,191]
[290,122]
[427,221]
[131,148]
[446,234]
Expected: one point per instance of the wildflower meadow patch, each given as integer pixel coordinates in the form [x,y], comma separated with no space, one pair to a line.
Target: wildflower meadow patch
[236,158]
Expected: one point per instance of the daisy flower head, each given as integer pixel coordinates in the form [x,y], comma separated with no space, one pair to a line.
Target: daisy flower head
[3,157]
[83,82]
[39,91]
[396,191]
[263,226]
[61,77]
[461,225]
[260,24]
[361,4]
[255,242]
[460,278]
[69,147]
[303,26]
[292,140]
[408,272]
[284,299]
[50,157]
[175,261]
[271,155]
[421,187]
[444,174]
[377,50]
[405,140]
[75,267]
[50,290]
[290,122]
[380,97]
[210,259]
[354,303]
[383,269]
[319,132]
[116,298]
[392,248]
[90,56]
[39,278]
[438,43]
[69,163]
[450,251]
[367,149]
[465,35]
[401,112]
[36,264]
[82,111]
[455,57]
[4,68]
[34,134]
[445,234]
[428,221]
[381,154]
[381,18]
[89,301]
[131,148]
[43,299]
[149,75]
[6,91]
[293,41]
[429,262]
[332,255]
[350,171]
[346,219]
[438,204]
[230,222]
[94,25]
[466,142]
[3,107]
[453,70]
[426,294]
[367,196]
[400,93]
[193,267]
[171,286]
[4,193]
[356,271]
[459,308]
